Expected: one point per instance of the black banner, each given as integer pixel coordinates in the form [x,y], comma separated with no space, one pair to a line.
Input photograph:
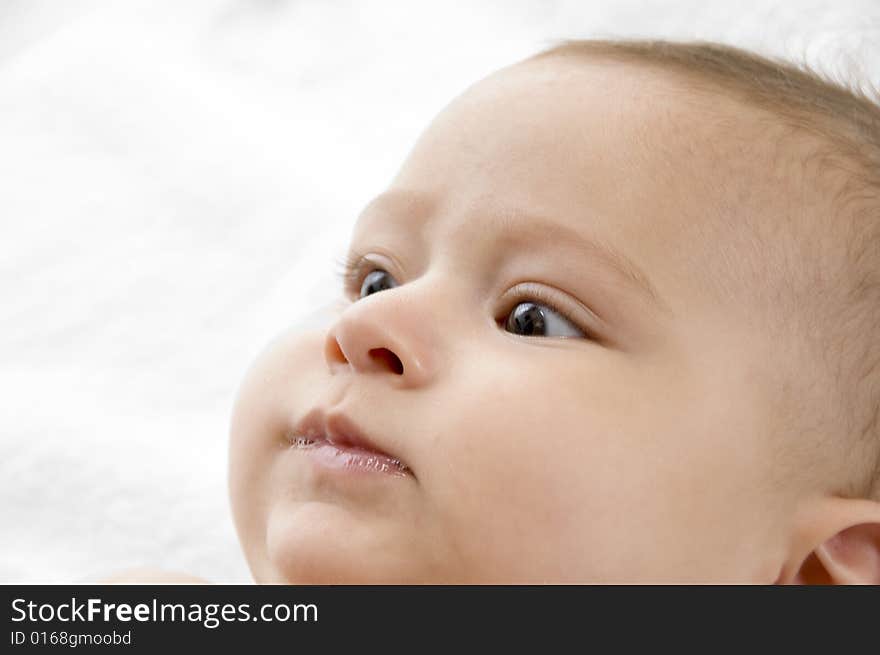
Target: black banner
[156,618]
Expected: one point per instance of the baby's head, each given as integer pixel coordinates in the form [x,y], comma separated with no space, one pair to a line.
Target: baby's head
[617,319]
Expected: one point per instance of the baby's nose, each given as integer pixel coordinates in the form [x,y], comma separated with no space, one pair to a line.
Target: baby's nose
[381,336]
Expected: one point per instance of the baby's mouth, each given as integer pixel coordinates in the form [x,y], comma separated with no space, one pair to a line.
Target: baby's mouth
[339,456]
[334,441]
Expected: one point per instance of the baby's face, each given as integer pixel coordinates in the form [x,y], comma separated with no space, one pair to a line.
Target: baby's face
[562,413]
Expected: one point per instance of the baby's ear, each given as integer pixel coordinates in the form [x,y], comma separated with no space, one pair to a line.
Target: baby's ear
[842,544]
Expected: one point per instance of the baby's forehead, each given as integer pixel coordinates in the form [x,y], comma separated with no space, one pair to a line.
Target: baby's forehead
[592,120]
[647,108]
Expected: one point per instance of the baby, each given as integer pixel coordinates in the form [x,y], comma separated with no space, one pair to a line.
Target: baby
[615,320]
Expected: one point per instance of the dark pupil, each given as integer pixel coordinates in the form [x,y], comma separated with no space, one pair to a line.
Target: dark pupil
[376,281]
[526,319]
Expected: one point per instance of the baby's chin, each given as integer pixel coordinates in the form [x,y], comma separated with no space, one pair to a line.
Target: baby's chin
[323,543]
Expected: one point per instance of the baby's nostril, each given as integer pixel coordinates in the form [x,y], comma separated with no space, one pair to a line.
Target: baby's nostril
[388,358]
[334,352]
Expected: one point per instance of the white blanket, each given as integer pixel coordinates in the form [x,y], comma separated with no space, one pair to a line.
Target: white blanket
[176,181]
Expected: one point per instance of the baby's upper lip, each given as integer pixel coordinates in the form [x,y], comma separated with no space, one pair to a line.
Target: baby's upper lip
[340,430]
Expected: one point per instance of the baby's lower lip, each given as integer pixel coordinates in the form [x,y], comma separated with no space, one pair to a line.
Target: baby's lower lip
[350,458]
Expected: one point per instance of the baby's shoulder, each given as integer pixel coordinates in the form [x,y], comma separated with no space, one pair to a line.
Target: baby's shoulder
[150,576]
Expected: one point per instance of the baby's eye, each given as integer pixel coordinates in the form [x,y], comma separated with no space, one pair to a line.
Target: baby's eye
[377,280]
[532,319]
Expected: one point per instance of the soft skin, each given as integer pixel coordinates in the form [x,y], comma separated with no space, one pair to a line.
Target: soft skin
[642,447]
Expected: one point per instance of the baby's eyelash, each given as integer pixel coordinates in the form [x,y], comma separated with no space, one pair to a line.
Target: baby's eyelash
[350,270]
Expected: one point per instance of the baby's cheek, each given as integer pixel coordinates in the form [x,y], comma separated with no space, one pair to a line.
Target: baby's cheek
[514,499]
[272,391]
[549,476]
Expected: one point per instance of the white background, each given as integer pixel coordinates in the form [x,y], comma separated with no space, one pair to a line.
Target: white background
[177,180]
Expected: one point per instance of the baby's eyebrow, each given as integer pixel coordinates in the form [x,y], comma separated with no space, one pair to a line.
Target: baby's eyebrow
[525,227]
[518,227]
